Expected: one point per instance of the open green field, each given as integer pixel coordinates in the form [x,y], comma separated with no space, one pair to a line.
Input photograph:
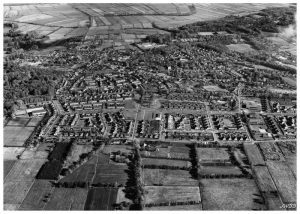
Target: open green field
[241,48]
[34,154]
[10,207]
[101,198]
[15,191]
[67,199]
[162,194]
[165,162]
[74,153]
[11,153]
[18,121]
[130,114]
[212,154]
[34,121]
[121,196]
[83,173]
[110,174]
[174,208]
[219,170]
[24,170]
[284,180]
[165,177]
[264,179]
[36,198]
[254,155]
[60,21]
[116,148]
[290,81]
[15,135]
[159,153]
[229,194]
[146,114]
[7,166]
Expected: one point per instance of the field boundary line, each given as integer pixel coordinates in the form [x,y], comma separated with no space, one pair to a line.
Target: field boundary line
[95,171]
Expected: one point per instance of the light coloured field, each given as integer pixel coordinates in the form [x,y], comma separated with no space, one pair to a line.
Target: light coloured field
[115,148]
[161,152]
[15,191]
[34,154]
[167,177]
[229,194]
[219,170]
[24,170]
[10,207]
[18,121]
[214,88]
[264,179]
[179,207]
[241,48]
[16,136]
[284,180]
[162,194]
[254,155]
[35,199]
[11,153]
[121,196]
[129,114]
[211,154]
[290,81]
[77,15]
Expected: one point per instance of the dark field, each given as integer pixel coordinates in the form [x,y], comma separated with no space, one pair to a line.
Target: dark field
[67,199]
[101,198]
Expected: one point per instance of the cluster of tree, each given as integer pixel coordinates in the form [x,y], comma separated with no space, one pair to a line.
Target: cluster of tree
[158,38]
[157,157]
[212,47]
[172,203]
[28,82]
[52,168]
[134,186]
[82,159]
[74,184]
[221,176]
[152,166]
[240,163]
[269,64]
[116,184]
[124,205]
[28,41]
[194,161]
[268,20]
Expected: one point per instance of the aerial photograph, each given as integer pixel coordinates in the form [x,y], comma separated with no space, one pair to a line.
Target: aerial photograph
[149,106]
